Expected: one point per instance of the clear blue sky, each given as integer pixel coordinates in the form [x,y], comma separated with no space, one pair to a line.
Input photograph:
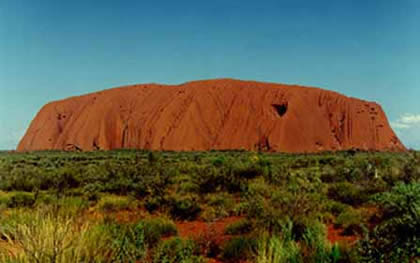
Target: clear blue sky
[54,49]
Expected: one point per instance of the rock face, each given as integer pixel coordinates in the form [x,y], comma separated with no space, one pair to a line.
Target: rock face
[212,114]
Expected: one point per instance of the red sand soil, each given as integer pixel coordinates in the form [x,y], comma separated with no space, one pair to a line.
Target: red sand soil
[201,229]
[208,232]
[215,231]
[334,236]
[212,114]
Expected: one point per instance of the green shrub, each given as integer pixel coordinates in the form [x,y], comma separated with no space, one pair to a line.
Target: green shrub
[352,221]
[396,238]
[335,207]
[91,191]
[248,171]
[220,199]
[177,250]
[153,203]
[219,161]
[153,157]
[69,205]
[210,214]
[188,187]
[219,205]
[67,178]
[347,193]
[329,174]
[411,171]
[185,207]
[355,175]
[301,201]
[243,226]
[239,248]
[111,204]
[4,200]
[22,179]
[209,179]
[263,212]
[231,177]
[156,228]
[45,198]
[127,241]
[347,253]
[254,206]
[21,199]
[259,186]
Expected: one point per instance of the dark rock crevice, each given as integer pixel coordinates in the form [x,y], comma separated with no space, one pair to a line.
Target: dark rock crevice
[281,109]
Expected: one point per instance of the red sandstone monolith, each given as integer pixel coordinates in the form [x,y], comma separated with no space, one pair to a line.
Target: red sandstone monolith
[212,114]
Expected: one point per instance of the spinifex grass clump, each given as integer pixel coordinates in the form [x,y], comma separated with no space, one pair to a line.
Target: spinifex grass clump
[283,247]
[46,236]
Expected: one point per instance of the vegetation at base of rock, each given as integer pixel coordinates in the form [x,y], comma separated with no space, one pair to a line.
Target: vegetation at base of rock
[128,206]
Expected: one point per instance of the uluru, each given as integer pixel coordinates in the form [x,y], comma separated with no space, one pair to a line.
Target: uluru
[215,114]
